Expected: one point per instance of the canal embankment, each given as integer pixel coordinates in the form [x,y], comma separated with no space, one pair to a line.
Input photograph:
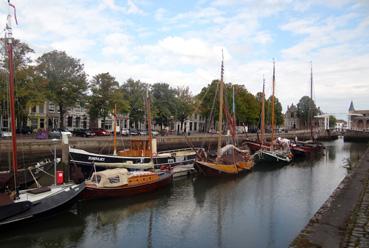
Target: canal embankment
[342,221]
[32,150]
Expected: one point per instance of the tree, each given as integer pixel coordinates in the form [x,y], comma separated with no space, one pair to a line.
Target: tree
[332,121]
[306,109]
[106,94]
[277,111]
[136,93]
[66,79]
[184,104]
[164,103]
[30,88]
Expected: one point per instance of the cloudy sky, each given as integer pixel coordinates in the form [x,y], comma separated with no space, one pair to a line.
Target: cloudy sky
[180,42]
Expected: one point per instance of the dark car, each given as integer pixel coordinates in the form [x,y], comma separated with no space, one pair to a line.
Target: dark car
[24,130]
[133,132]
[83,132]
[101,132]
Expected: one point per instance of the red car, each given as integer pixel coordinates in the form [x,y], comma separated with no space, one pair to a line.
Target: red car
[101,132]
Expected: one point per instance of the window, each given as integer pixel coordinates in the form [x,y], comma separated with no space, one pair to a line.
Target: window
[34,124]
[42,123]
[41,109]
[190,126]
[70,121]
[114,179]
[96,179]
[292,115]
[33,109]
[78,121]
[51,107]
[195,126]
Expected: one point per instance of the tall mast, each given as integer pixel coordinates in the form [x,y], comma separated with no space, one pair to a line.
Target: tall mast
[273,117]
[148,104]
[115,130]
[263,113]
[9,45]
[220,120]
[310,102]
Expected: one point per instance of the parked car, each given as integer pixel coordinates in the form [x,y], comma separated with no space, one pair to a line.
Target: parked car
[154,133]
[101,132]
[24,130]
[125,131]
[5,133]
[143,132]
[83,132]
[133,132]
[57,133]
[42,134]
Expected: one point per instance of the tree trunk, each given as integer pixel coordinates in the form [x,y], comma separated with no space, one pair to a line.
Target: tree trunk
[61,115]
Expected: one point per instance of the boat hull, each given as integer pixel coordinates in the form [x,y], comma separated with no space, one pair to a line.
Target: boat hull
[46,207]
[91,192]
[214,169]
[255,146]
[86,161]
[272,157]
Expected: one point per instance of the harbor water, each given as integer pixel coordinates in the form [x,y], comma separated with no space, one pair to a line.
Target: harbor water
[265,208]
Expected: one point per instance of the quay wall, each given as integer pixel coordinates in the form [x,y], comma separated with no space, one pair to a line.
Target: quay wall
[333,224]
[32,150]
[357,136]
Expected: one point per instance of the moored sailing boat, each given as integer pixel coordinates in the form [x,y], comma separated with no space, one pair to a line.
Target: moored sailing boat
[278,150]
[29,205]
[229,160]
[118,183]
[304,148]
[142,155]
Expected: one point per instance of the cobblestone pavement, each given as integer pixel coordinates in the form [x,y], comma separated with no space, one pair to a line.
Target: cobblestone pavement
[357,234]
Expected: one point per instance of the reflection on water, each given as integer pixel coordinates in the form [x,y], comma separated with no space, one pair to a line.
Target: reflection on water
[265,208]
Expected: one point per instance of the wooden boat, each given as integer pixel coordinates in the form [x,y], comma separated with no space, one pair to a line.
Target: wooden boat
[114,183]
[29,205]
[278,150]
[229,160]
[305,148]
[140,153]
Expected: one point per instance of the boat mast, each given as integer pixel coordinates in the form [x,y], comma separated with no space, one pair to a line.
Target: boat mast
[234,133]
[220,120]
[115,130]
[9,46]
[263,113]
[310,102]
[273,117]
[148,105]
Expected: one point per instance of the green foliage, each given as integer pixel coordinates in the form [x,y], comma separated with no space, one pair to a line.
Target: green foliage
[332,121]
[106,94]
[306,109]
[66,79]
[184,103]
[30,88]
[279,118]
[164,103]
[136,94]
[246,104]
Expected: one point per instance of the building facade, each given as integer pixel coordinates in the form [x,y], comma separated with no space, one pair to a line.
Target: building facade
[291,121]
[358,119]
[47,116]
[193,124]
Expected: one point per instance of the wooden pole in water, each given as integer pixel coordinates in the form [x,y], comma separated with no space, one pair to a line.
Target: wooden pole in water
[273,117]
[263,113]
[148,102]
[220,119]
[115,130]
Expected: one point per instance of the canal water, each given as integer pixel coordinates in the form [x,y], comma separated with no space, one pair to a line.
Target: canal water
[265,208]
